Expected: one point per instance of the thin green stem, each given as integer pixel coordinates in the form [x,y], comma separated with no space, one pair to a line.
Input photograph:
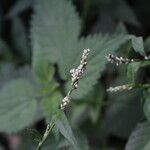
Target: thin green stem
[141,85]
[46,134]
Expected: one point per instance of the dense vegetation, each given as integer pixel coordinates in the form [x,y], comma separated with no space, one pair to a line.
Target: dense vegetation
[41,41]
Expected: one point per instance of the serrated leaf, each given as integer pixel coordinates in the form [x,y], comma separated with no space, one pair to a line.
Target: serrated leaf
[57,31]
[137,43]
[140,138]
[19,7]
[127,106]
[63,126]
[56,35]
[17,105]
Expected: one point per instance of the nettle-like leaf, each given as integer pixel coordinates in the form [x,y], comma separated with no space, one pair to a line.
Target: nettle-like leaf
[56,35]
[57,31]
[62,124]
[17,105]
[140,138]
[127,106]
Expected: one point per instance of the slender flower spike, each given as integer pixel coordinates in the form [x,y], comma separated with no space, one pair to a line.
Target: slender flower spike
[118,60]
[119,88]
[76,74]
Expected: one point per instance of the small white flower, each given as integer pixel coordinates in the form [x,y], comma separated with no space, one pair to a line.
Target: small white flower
[119,88]
[118,60]
[76,74]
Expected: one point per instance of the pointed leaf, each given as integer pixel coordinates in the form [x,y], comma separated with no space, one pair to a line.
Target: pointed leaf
[127,106]
[63,126]
[137,43]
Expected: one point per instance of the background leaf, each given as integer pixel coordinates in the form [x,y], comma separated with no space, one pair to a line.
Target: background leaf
[57,31]
[43,70]
[125,106]
[17,105]
[51,103]
[140,138]
[137,43]
[132,70]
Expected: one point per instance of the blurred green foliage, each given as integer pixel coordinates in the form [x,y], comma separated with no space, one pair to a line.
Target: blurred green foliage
[41,40]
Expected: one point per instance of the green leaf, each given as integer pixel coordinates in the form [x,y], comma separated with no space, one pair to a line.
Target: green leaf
[140,138]
[57,31]
[134,67]
[82,140]
[63,126]
[17,105]
[78,111]
[19,36]
[132,70]
[137,43]
[125,106]
[56,35]
[146,106]
[43,70]
[51,103]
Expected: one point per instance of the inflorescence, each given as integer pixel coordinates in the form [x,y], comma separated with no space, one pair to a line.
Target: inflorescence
[76,74]
[118,60]
[119,88]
